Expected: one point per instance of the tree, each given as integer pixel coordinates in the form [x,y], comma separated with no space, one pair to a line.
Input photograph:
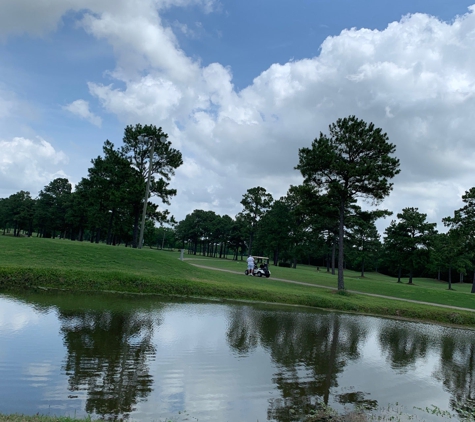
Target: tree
[453,252]
[256,202]
[19,212]
[412,235]
[165,161]
[53,203]
[114,188]
[364,236]
[353,161]
[463,222]
[274,230]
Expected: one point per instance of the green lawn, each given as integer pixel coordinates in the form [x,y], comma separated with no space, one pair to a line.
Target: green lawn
[426,290]
[34,262]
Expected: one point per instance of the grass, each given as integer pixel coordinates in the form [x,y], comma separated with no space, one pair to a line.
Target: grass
[27,263]
[426,290]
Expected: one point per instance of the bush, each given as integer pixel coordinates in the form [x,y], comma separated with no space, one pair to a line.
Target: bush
[285,264]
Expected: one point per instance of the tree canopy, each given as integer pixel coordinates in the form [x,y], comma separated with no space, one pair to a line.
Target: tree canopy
[353,160]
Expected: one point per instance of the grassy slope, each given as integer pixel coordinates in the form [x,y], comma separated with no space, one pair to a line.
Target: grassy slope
[426,290]
[32,262]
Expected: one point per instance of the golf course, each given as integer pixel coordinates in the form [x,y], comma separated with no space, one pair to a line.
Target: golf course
[35,263]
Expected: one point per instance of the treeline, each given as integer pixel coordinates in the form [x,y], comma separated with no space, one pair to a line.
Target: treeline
[287,230]
[317,222]
[107,204]
[302,227]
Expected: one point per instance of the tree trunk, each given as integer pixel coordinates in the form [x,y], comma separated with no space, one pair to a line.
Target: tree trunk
[399,274]
[341,282]
[438,274]
[473,283]
[332,361]
[450,278]
[333,255]
[362,268]
[250,243]
[410,277]
[109,229]
[135,236]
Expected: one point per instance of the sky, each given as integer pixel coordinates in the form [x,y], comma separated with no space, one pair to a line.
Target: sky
[239,87]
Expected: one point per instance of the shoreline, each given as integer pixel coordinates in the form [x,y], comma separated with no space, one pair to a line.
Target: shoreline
[23,279]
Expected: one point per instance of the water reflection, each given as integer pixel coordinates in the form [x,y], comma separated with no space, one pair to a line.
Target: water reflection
[119,356]
[309,352]
[457,371]
[108,355]
[403,345]
[109,348]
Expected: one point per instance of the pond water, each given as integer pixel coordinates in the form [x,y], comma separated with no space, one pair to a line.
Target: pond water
[147,359]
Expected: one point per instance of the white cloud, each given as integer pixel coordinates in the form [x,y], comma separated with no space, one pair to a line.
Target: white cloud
[42,16]
[415,79]
[29,164]
[81,108]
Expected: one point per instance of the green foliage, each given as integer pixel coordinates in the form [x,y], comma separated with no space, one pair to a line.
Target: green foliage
[354,160]
[256,202]
[408,240]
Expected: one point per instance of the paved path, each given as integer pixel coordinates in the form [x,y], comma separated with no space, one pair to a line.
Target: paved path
[351,291]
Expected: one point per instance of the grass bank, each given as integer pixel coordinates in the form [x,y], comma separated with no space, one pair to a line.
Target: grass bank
[27,263]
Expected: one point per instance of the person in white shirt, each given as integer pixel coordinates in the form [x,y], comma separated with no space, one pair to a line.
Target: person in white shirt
[250,265]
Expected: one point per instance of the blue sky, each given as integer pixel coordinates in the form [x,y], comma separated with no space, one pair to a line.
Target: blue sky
[233,81]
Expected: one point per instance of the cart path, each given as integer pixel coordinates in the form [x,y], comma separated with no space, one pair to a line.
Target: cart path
[350,291]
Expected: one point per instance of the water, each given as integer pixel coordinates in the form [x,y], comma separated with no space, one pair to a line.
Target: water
[145,359]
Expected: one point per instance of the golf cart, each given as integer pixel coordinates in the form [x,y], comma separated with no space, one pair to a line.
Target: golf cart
[261,267]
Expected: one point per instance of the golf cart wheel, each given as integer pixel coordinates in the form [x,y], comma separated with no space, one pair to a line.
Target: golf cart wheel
[268,275]
[259,274]
[246,272]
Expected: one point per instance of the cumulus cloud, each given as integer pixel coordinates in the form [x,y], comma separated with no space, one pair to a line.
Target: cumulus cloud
[27,164]
[415,79]
[81,108]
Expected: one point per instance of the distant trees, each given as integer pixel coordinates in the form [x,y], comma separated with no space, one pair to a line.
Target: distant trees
[52,206]
[256,202]
[364,239]
[105,204]
[313,223]
[408,239]
[17,211]
[462,232]
[354,160]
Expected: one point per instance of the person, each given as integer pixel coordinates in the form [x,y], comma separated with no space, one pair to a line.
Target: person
[250,265]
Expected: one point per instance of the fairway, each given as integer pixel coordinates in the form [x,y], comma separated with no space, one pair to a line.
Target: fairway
[423,289]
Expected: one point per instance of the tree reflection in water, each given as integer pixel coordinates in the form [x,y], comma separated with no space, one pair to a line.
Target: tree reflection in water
[309,350]
[403,344]
[457,371]
[108,356]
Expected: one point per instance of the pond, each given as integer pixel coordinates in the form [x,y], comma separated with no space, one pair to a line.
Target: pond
[147,358]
